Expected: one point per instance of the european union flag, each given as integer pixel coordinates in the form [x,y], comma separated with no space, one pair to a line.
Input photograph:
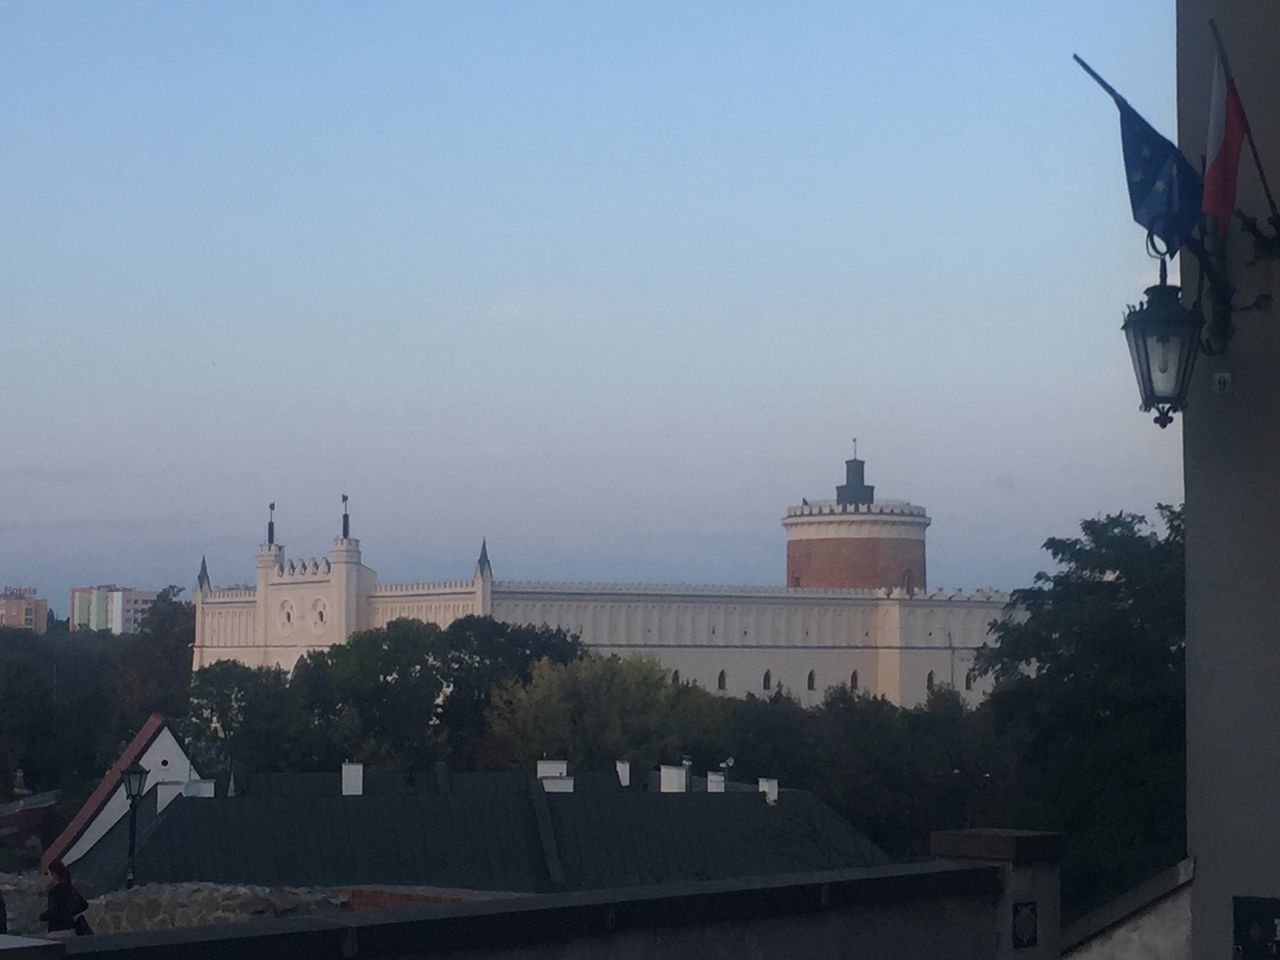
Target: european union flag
[1164,189]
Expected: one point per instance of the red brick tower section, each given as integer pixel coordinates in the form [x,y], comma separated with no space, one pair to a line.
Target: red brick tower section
[853,542]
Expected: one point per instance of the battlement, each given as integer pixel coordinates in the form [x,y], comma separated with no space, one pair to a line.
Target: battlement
[423,587]
[302,569]
[980,595]
[886,508]
[232,593]
[677,590]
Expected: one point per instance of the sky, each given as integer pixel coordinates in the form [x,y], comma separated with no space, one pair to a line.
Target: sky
[611,285]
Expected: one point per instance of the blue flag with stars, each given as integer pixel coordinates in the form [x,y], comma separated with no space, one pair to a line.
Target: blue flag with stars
[1164,189]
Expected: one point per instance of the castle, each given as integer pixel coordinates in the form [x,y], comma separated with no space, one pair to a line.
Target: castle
[855,609]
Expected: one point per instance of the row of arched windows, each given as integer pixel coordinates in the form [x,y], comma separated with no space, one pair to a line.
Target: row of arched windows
[766,682]
[811,683]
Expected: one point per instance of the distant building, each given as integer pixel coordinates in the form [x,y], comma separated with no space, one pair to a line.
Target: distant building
[855,610]
[108,607]
[21,608]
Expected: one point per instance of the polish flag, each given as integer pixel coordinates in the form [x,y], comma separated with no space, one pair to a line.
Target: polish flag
[1227,126]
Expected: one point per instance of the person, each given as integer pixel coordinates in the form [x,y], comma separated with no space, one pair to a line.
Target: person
[63,903]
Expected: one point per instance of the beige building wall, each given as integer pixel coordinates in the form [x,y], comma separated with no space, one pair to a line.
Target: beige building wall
[24,612]
[1231,445]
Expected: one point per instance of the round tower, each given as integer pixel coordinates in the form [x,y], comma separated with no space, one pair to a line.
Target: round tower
[853,542]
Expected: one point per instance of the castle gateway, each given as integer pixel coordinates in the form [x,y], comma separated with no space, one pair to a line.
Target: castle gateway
[855,610]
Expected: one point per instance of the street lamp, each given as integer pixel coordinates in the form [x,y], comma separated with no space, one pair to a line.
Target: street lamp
[1164,338]
[135,782]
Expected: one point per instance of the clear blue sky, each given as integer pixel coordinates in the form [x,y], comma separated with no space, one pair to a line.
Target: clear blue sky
[611,285]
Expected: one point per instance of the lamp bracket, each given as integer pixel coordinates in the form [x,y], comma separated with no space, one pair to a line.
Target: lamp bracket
[1266,246]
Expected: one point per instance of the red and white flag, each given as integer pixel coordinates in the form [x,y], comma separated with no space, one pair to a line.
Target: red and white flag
[1227,128]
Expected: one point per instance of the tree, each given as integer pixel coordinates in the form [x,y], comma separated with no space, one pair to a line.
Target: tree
[1091,690]
[375,697]
[248,715]
[591,712]
[481,654]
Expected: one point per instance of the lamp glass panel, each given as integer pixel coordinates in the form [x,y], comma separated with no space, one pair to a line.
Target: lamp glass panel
[1138,354]
[1164,361]
[135,779]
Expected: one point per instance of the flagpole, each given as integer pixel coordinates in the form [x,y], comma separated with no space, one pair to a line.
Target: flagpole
[1248,129]
[1097,79]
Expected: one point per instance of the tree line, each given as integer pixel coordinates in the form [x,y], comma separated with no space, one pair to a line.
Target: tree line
[1082,733]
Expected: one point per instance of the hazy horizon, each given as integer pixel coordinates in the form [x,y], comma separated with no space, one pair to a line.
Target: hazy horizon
[609,286]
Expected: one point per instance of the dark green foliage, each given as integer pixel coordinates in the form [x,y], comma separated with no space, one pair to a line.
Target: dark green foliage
[1091,698]
[247,715]
[482,653]
[68,702]
[398,697]
[375,697]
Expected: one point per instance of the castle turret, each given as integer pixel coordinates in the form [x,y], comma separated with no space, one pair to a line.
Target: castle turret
[855,542]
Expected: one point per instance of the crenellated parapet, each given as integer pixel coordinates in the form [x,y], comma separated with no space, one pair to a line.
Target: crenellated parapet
[230,593]
[954,596]
[682,589]
[302,569]
[676,591]
[423,588]
[888,508]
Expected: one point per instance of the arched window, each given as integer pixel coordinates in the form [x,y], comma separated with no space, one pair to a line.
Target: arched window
[813,681]
[675,677]
[720,681]
[767,683]
[853,680]
[968,680]
[929,682]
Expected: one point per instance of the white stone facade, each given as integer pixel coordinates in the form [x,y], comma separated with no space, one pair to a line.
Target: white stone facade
[735,640]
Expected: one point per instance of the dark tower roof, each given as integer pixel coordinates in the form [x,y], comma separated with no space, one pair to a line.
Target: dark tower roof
[482,564]
[202,579]
[855,489]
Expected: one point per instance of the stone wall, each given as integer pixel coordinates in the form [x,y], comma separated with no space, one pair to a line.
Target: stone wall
[168,906]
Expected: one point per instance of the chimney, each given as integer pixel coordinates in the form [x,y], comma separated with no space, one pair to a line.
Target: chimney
[198,788]
[552,768]
[353,779]
[769,787]
[624,772]
[556,784]
[673,779]
[715,781]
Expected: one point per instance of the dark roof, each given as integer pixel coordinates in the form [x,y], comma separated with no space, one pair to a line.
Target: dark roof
[485,834]
[629,838]
[380,783]
[479,841]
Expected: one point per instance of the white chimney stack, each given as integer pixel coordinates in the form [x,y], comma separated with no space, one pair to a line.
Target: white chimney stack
[353,779]
[769,787]
[715,781]
[673,779]
[556,784]
[552,768]
[624,773]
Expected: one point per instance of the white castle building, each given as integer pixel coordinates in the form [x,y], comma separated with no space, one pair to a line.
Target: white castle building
[855,609]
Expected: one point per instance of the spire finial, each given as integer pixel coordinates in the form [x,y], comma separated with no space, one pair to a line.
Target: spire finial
[271,523]
[855,448]
[346,520]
